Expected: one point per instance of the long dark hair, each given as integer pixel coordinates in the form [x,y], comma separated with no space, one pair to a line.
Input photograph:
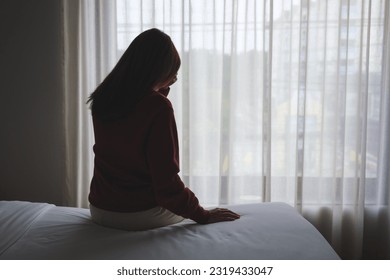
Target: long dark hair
[150,60]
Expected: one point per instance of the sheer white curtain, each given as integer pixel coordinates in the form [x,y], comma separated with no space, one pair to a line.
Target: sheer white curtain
[280,100]
[89,54]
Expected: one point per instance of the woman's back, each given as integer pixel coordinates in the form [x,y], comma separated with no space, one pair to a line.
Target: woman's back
[121,169]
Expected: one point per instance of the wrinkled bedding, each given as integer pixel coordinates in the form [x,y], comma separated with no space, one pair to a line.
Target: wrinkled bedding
[274,231]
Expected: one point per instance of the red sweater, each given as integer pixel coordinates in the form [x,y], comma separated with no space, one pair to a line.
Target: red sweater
[137,163]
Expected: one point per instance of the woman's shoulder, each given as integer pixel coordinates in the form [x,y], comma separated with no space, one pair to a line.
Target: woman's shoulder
[156,101]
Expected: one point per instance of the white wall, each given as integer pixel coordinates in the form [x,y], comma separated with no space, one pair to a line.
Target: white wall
[31,123]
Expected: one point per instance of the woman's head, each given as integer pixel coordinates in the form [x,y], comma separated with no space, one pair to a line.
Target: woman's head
[150,61]
[153,58]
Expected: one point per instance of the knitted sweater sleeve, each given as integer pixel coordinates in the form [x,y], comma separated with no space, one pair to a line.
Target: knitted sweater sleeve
[163,160]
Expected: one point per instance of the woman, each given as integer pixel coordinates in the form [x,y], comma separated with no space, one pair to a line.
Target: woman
[135,185]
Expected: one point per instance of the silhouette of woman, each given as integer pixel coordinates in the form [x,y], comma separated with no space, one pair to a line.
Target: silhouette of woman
[135,185]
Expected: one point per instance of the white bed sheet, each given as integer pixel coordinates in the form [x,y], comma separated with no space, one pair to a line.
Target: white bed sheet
[265,231]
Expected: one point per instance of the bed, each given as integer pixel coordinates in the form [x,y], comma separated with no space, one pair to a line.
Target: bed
[273,231]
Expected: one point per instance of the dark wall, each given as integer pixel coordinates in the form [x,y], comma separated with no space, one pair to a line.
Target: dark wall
[31,94]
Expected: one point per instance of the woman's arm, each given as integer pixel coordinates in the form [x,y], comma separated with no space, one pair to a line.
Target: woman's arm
[169,190]
[163,159]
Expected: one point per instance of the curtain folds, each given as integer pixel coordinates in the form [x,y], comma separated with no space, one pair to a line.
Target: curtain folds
[89,54]
[279,100]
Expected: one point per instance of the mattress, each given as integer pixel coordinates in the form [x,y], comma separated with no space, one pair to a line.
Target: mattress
[272,231]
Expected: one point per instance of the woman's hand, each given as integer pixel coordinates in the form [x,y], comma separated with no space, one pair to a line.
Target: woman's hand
[165,87]
[164,91]
[221,215]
